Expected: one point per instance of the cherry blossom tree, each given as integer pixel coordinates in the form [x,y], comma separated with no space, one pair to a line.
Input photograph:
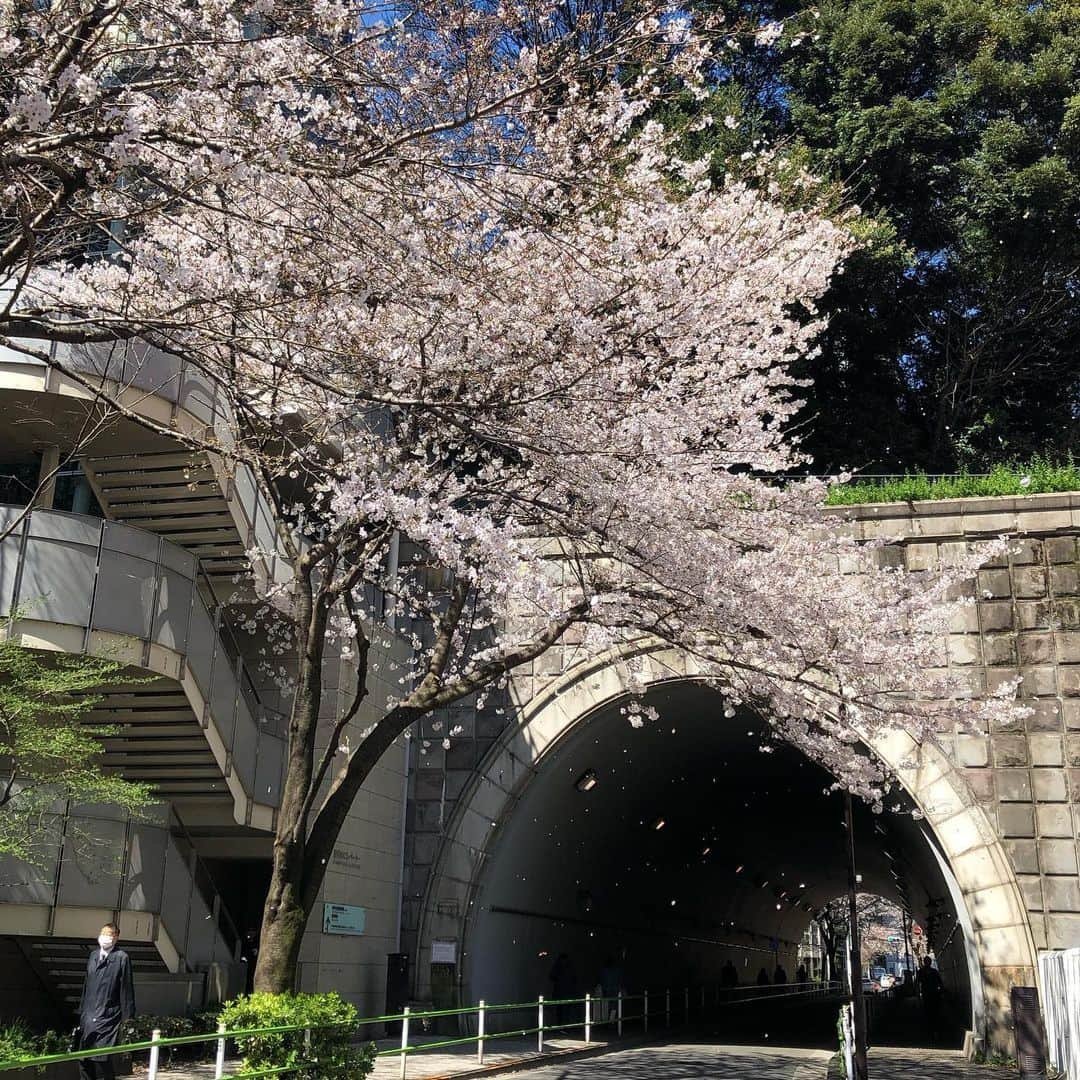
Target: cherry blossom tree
[462,290]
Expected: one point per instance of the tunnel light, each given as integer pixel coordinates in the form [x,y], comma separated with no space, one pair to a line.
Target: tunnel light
[658,824]
[705,852]
[586,781]
[739,869]
[778,906]
[858,879]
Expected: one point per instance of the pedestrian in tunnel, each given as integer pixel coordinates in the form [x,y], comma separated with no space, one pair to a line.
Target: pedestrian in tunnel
[610,984]
[108,998]
[800,975]
[563,984]
[931,991]
[763,978]
[779,976]
[729,976]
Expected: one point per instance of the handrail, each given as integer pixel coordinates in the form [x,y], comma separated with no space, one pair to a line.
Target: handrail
[157,1042]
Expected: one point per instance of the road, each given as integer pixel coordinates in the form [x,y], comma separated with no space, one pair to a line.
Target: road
[689,1062]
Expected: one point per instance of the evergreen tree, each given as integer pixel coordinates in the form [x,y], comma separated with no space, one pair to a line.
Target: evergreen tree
[49,753]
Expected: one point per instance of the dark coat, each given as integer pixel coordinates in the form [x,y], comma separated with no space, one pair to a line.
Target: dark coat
[108,998]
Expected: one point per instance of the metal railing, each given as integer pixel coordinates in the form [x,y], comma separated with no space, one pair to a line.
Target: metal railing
[660,1007]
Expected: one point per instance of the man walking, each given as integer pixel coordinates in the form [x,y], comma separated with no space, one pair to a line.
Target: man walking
[931,989]
[108,998]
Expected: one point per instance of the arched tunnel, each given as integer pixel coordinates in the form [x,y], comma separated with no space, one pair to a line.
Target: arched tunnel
[681,844]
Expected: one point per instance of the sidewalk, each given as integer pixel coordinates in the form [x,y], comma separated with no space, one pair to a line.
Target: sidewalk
[909,1063]
[458,1061]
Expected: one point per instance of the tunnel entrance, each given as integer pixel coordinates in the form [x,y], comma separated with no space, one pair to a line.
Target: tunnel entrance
[681,847]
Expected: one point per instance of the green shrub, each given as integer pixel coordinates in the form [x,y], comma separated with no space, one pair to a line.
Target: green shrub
[332,1021]
[1039,475]
[19,1043]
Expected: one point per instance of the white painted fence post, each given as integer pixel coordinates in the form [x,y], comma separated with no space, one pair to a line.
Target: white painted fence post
[667,1007]
[646,1010]
[155,1051]
[404,1040]
[480,1033]
[219,1060]
[540,1025]
[588,1019]
[619,1014]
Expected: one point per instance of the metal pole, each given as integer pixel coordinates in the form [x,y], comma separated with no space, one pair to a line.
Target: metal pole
[686,1002]
[480,1033]
[588,1018]
[155,1050]
[540,1025]
[219,1061]
[618,1014]
[858,1019]
[646,1010]
[702,999]
[404,1040]
[667,1007]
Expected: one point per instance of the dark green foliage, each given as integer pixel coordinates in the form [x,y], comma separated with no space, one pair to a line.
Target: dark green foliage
[333,1030]
[48,754]
[19,1043]
[954,122]
[954,125]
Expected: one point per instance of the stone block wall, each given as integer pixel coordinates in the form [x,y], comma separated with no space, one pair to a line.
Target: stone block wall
[1025,624]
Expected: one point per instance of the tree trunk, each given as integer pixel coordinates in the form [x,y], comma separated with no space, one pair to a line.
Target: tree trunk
[284,920]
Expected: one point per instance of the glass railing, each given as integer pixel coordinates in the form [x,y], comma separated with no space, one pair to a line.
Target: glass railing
[99,857]
[101,576]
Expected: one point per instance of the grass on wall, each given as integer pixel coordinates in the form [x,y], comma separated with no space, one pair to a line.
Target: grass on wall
[1036,476]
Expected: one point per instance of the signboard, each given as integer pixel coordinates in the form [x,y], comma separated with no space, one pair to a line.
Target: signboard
[443,952]
[343,919]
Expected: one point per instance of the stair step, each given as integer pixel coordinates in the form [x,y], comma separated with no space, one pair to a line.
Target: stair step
[186,491]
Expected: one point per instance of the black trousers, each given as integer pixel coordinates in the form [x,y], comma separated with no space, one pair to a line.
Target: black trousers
[96,1069]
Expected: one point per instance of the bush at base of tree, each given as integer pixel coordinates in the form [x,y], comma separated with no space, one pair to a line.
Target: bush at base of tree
[333,1027]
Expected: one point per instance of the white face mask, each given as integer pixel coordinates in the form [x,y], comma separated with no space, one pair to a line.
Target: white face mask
[106,942]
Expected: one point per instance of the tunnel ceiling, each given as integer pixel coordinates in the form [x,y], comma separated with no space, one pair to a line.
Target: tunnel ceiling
[751,841]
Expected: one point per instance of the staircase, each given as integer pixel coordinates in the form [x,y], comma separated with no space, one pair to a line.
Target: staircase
[60,965]
[172,921]
[200,729]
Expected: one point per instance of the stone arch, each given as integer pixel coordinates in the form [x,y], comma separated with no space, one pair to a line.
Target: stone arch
[980,877]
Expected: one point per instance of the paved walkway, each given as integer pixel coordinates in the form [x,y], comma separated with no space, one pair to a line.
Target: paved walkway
[676,1061]
[888,1063]
[679,1061]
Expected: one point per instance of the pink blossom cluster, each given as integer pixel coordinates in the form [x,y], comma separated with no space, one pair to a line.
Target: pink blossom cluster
[446,254]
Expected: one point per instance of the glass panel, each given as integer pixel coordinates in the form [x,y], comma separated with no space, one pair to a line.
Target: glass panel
[9,566]
[176,558]
[34,884]
[201,638]
[57,581]
[93,860]
[223,696]
[201,933]
[124,602]
[243,751]
[197,394]
[130,540]
[268,773]
[55,525]
[176,894]
[154,370]
[173,611]
[142,885]
[244,483]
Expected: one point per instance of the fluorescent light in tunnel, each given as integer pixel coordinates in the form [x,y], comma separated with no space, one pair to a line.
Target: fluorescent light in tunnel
[658,824]
[587,780]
